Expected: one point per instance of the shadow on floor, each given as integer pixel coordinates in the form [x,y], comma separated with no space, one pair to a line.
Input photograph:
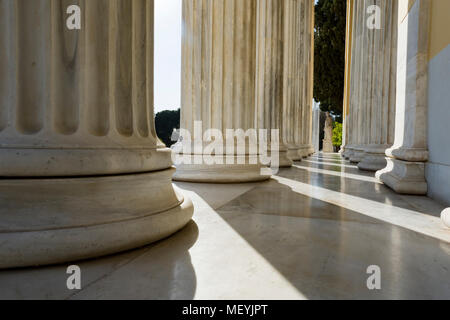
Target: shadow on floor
[324,250]
[369,190]
[162,270]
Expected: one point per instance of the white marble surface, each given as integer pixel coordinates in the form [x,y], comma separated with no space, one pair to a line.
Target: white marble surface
[309,233]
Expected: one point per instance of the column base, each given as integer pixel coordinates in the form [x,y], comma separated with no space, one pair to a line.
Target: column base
[348,151]
[222,173]
[284,160]
[357,155]
[445,216]
[51,221]
[305,151]
[294,154]
[374,158]
[404,177]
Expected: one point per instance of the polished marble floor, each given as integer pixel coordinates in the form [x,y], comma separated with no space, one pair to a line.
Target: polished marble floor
[309,233]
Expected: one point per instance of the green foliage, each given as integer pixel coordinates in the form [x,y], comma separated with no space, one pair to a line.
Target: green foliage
[165,122]
[329,54]
[337,134]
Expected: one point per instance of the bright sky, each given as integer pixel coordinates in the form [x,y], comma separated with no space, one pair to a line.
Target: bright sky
[167,54]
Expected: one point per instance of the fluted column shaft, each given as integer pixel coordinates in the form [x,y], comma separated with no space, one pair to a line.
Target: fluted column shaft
[269,70]
[405,170]
[218,88]
[379,128]
[298,76]
[363,63]
[356,88]
[79,104]
[371,84]
[78,94]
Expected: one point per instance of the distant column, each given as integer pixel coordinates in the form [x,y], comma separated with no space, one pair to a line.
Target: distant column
[269,71]
[298,77]
[218,91]
[382,98]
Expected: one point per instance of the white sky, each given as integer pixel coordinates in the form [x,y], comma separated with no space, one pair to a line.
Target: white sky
[167,54]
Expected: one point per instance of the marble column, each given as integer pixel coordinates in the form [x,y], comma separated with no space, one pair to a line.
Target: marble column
[382,92]
[354,84]
[405,170]
[82,172]
[298,77]
[309,60]
[370,84]
[218,90]
[348,59]
[364,64]
[269,71]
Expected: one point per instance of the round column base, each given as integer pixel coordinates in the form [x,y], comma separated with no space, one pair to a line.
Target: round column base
[284,160]
[404,177]
[357,155]
[374,158]
[222,173]
[294,154]
[50,221]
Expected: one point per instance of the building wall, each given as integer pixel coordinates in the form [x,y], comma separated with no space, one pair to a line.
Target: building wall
[438,167]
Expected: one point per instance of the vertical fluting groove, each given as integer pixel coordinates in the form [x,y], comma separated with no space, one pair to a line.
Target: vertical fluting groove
[217,58]
[303,64]
[289,88]
[277,113]
[311,67]
[187,106]
[65,70]
[7,62]
[296,100]
[96,104]
[291,115]
[197,60]
[307,121]
[362,73]
[273,64]
[267,25]
[356,79]
[33,64]
[284,122]
[261,65]
[353,88]
[250,64]
[121,72]
[150,40]
[139,65]
[229,44]
[206,65]
[238,63]
[392,83]
[385,52]
[372,93]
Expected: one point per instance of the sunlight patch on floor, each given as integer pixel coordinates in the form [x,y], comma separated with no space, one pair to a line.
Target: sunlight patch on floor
[409,219]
